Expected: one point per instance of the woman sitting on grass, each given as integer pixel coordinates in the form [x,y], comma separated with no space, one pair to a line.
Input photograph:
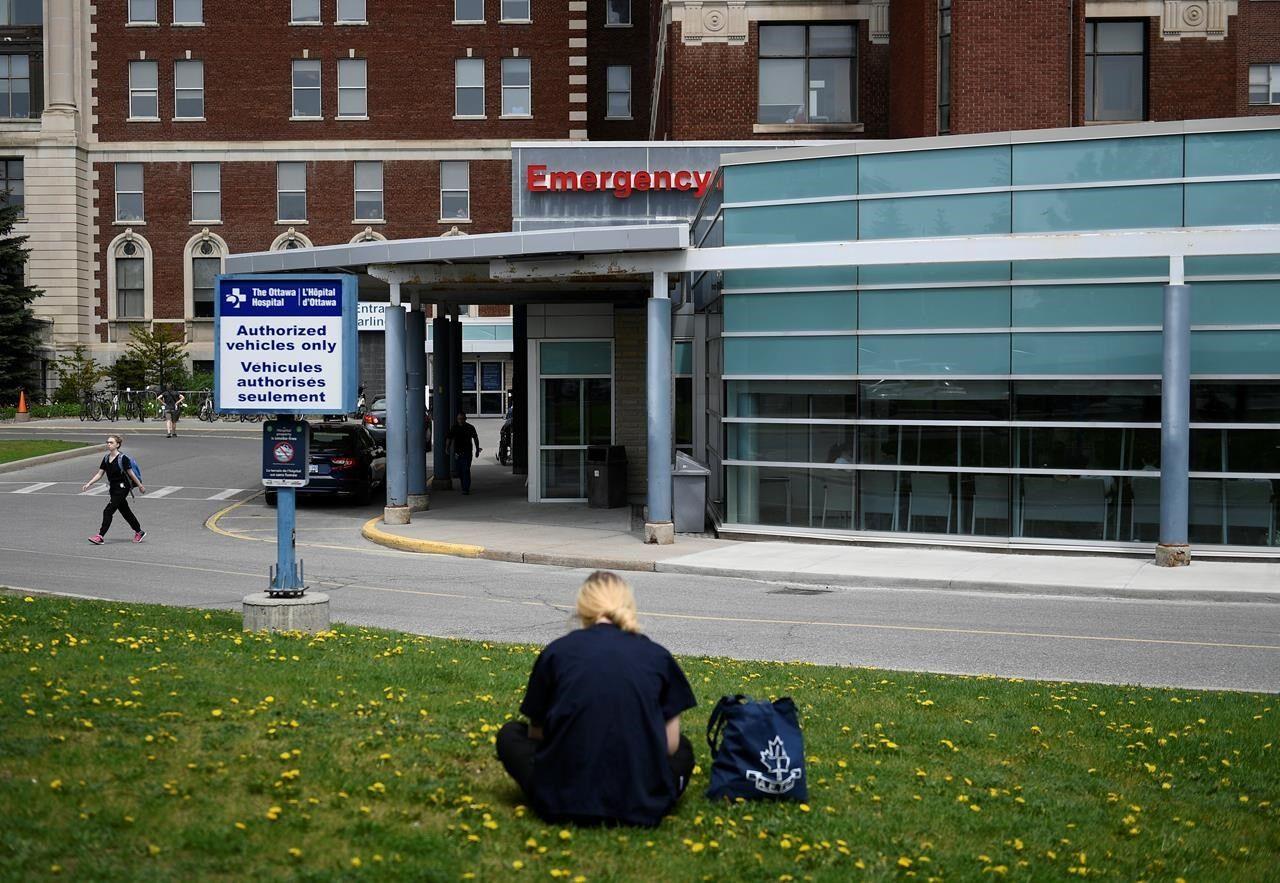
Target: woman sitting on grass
[603,743]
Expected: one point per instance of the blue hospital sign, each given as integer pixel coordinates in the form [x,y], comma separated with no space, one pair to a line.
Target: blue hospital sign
[286,344]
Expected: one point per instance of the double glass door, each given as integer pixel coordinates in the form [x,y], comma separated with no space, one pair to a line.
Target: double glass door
[576,412]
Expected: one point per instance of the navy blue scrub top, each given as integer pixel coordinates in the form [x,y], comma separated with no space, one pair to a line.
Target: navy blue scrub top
[603,697]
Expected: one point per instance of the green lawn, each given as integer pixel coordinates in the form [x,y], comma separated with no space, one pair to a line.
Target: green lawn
[143,743]
[21,449]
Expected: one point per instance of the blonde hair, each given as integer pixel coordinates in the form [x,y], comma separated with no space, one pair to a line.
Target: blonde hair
[607,594]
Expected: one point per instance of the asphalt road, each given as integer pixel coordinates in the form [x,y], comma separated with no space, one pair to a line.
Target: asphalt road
[43,547]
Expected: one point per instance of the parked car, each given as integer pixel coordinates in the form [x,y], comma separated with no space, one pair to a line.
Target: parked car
[376,421]
[345,461]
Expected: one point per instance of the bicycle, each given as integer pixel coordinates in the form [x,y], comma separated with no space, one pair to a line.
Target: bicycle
[110,407]
[90,409]
[206,412]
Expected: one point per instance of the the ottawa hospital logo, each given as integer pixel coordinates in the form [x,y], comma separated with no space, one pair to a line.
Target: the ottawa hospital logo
[778,777]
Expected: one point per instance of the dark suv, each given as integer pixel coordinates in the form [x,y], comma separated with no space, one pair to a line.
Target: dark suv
[345,461]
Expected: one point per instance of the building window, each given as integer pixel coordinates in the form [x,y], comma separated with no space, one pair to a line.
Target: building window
[515,10]
[142,12]
[351,12]
[11,185]
[618,78]
[206,191]
[128,192]
[617,13]
[1115,70]
[469,87]
[130,283]
[455,191]
[15,86]
[353,88]
[306,90]
[682,404]
[16,13]
[291,191]
[188,90]
[144,100]
[289,240]
[205,251]
[944,66]
[516,88]
[1264,84]
[304,12]
[369,191]
[468,10]
[188,12]
[806,74]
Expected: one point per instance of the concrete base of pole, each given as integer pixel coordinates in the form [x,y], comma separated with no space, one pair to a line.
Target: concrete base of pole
[662,533]
[22,417]
[395,515]
[442,484]
[419,502]
[1173,555]
[309,613]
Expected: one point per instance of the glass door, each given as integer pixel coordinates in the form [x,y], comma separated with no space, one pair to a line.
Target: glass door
[574,412]
[492,392]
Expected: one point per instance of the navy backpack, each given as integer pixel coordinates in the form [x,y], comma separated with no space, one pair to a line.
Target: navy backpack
[757,750]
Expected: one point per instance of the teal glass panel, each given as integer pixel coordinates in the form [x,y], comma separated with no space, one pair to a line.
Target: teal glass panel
[1235,352]
[682,357]
[1234,265]
[1233,153]
[1095,268]
[1104,352]
[934,354]
[934,274]
[790,355]
[1235,303]
[935,216]
[934,308]
[794,179]
[819,222]
[798,311]
[1068,306]
[917,170]
[486,332]
[1233,202]
[575,357]
[1110,208]
[796,277]
[1110,159]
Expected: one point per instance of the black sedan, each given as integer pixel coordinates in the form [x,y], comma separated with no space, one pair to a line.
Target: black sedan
[345,461]
[376,421]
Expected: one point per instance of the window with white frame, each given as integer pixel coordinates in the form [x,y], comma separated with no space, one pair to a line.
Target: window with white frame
[353,87]
[304,12]
[468,10]
[289,240]
[15,86]
[291,191]
[468,76]
[516,90]
[617,13]
[1264,84]
[515,10]
[455,190]
[368,181]
[12,183]
[144,97]
[351,12]
[206,264]
[618,83]
[188,90]
[142,12]
[130,278]
[306,89]
[206,191]
[806,74]
[1115,70]
[128,177]
[188,12]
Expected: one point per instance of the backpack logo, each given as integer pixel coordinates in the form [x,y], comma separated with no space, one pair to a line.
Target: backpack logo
[778,765]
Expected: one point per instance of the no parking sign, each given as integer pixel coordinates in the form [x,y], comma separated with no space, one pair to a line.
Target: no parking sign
[286,452]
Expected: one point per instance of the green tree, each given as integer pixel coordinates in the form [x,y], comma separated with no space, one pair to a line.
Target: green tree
[161,353]
[128,373]
[18,326]
[78,375]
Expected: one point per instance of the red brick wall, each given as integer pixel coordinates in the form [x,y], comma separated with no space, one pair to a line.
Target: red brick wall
[1210,93]
[913,60]
[247,49]
[608,46]
[1257,35]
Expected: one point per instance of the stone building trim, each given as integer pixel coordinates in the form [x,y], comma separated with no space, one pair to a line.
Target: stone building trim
[1205,19]
[728,21]
[188,254]
[116,249]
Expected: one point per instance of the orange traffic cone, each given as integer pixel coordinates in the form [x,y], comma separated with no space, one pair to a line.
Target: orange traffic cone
[23,413]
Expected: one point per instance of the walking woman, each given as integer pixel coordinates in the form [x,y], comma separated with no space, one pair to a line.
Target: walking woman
[603,743]
[118,471]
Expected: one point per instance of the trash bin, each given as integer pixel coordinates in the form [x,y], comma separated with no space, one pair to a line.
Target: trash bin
[606,476]
[689,494]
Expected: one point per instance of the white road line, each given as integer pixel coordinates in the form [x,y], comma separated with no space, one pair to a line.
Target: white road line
[32,488]
[94,491]
[163,492]
[225,495]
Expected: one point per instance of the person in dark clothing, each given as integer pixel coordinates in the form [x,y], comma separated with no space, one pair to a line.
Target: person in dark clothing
[115,467]
[171,402]
[603,742]
[458,443]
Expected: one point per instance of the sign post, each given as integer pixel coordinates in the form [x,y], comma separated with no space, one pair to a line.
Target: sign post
[285,345]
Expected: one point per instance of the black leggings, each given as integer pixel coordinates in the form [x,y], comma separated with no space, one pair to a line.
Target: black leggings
[119,503]
[516,751]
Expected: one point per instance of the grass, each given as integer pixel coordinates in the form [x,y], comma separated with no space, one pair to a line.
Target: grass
[149,743]
[21,449]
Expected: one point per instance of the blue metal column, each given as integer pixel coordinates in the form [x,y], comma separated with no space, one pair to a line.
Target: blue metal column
[658,527]
[455,370]
[440,420]
[1175,416]
[520,389]
[415,337]
[397,510]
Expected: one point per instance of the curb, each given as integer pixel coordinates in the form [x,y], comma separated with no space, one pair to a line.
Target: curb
[374,534]
[51,458]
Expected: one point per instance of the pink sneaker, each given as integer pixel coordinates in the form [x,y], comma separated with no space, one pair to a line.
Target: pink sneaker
[97,539]
[139,536]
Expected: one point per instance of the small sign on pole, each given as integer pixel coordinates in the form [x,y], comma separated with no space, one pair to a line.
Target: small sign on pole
[286,452]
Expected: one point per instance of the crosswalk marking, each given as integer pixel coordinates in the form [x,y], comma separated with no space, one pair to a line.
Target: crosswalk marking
[32,488]
[94,491]
[164,491]
[225,495]
[172,492]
